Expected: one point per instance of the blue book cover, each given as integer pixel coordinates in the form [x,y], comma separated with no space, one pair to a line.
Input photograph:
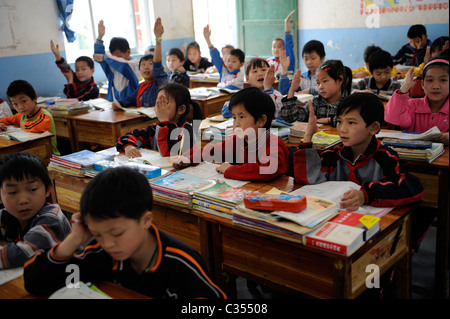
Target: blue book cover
[85,158]
[183,182]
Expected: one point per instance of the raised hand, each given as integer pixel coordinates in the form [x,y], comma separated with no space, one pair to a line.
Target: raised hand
[284,61]
[312,124]
[207,34]
[158,29]
[101,30]
[55,50]
[409,83]
[269,78]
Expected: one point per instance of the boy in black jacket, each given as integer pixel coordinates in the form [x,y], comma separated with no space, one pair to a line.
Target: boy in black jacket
[123,245]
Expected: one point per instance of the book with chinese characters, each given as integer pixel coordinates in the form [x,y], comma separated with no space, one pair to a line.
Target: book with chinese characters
[344,233]
[322,140]
[79,160]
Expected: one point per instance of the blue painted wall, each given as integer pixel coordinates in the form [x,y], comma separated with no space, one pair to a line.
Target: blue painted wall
[349,43]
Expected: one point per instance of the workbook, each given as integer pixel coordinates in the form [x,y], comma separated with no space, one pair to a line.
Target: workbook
[17,134]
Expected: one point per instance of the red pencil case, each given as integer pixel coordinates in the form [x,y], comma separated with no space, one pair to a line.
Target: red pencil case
[284,202]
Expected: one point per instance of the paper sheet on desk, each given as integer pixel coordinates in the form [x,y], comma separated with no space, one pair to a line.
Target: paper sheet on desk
[208,170]
[148,157]
[333,191]
[9,274]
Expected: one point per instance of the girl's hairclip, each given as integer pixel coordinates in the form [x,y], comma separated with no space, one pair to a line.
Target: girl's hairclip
[436,61]
[326,69]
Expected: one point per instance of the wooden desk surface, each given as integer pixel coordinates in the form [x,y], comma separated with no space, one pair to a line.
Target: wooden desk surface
[41,147]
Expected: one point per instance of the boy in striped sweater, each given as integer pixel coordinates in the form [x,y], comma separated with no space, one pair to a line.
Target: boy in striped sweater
[28,223]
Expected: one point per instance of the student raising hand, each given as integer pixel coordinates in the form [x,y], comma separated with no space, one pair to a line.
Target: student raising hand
[158,29]
[55,50]
[207,35]
[296,80]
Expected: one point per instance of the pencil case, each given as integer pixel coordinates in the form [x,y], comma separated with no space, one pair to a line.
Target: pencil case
[284,202]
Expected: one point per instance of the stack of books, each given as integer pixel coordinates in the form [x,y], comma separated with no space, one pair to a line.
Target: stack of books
[289,225]
[178,188]
[297,132]
[219,131]
[67,107]
[220,199]
[77,164]
[344,233]
[419,154]
[322,140]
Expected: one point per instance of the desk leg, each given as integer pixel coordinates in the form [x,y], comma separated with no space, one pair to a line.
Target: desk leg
[441,279]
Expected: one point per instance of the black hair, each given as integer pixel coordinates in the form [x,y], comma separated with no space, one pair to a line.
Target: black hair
[238,53]
[429,65]
[193,44]
[380,60]
[177,52]
[314,46]
[335,70]
[256,102]
[369,50]
[438,43]
[416,30]
[119,43]
[369,106]
[21,87]
[23,165]
[145,58]
[256,63]
[86,59]
[181,95]
[117,192]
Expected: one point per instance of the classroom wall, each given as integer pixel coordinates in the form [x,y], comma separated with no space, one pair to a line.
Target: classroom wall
[346,30]
[26,28]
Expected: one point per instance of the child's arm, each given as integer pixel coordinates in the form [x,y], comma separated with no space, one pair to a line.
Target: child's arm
[289,42]
[158,31]
[284,84]
[61,63]
[215,54]
[129,142]
[290,112]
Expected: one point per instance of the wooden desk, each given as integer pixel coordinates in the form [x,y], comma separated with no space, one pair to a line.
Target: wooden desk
[207,82]
[15,289]
[41,147]
[272,261]
[212,104]
[98,128]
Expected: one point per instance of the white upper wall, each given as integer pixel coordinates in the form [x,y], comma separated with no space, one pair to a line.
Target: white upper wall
[26,27]
[327,14]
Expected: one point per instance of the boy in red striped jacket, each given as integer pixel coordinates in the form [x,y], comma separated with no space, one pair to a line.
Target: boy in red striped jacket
[362,158]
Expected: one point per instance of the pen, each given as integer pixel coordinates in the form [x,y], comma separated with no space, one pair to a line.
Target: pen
[181,145]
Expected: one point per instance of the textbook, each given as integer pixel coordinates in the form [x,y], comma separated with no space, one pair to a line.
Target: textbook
[303,98]
[178,188]
[149,157]
[222,90]
[80,160]
[17,134]
[148,170]
[100,104]
[426,136]
[298,129]
[396,142]
[147,111]
[322,140]
[344,233]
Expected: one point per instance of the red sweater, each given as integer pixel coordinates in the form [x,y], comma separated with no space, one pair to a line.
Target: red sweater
[262,163]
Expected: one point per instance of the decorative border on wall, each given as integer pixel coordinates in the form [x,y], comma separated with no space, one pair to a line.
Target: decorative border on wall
[395,6]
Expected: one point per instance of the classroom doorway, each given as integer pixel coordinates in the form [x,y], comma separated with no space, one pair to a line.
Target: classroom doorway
[261,21]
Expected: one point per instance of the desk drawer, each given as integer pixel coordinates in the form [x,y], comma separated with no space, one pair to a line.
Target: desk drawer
[140,124]
[62,127]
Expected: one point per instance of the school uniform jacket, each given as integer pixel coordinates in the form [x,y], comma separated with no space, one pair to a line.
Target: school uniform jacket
[231,80]
[263,162]
[77,90]
[147,98]
[179,271]
[47,228]
[289,48]
[159,136]
[39,122]
[290,112]
[369,83]
[415,114]
[274,94]
[202,66]
[383,177]
[408,55]
[123,75]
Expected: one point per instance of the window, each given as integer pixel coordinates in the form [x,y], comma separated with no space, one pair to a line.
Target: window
[122,18]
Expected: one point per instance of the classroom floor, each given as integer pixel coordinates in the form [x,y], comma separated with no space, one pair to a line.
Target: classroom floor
[422,275]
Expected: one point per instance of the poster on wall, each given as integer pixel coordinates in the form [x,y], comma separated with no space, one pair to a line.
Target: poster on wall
[396,6]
